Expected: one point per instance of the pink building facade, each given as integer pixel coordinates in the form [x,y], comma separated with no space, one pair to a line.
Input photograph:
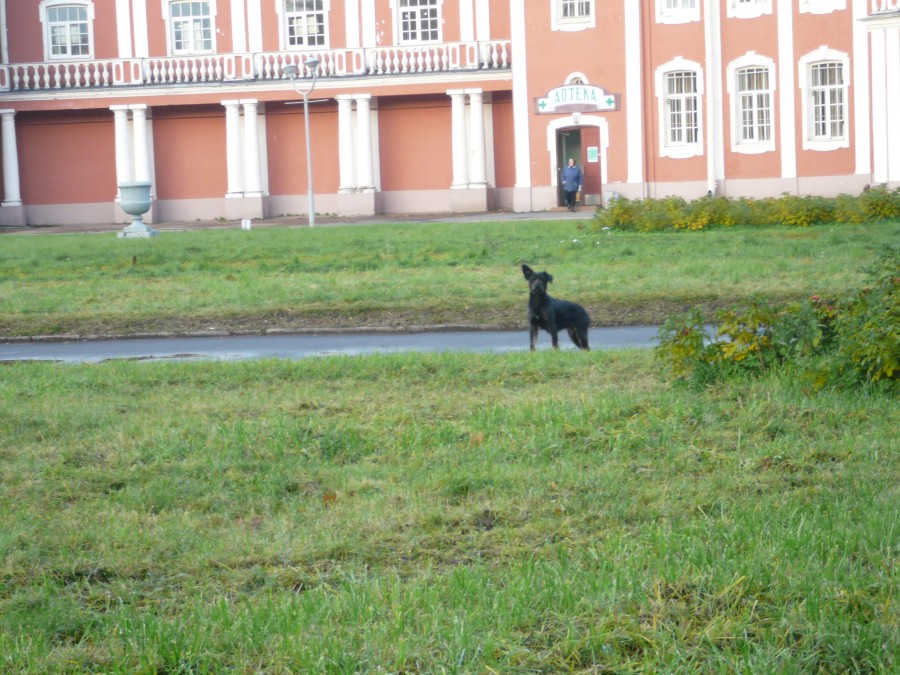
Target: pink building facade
[438,105]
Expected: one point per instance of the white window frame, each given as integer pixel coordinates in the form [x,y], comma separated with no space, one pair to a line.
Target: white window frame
[284,42]
[823,55]
[678,150]
[170,32]
[751,147]
[398,27]
[88,5]
[748,9]
[822,6]
[572,23]
[678,14]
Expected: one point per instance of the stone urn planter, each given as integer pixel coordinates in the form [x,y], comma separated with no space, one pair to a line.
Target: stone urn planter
[134,198]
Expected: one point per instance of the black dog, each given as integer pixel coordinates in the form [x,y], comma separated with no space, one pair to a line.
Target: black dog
[553,315]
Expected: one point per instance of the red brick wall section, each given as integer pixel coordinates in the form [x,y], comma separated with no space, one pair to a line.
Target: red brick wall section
[71,157]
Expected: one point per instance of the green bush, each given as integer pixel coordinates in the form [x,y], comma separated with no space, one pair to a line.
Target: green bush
[850,342]
[867,325]
[648,215]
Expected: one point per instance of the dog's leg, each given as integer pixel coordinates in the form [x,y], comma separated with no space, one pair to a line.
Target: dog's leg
[579,338]
[554,336]
[584,340]
[533,336]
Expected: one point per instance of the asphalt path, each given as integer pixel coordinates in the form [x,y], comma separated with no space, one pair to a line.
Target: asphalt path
[241,347]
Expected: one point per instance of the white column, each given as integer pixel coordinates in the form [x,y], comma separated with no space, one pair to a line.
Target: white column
[239,26]
[892,78]
[786,82]
[369,24]
[477,174]
[466,21]
[346,154]
[879,107]
[254,27]
[11,191]
[715,141]
[124,161]
[233,148]
[252,179]
[123,29]
[141,30]
[634,87]
[458,139]
[521,107]
[351,24]
[860,81]
[482,21]
[141,144]
[364,170]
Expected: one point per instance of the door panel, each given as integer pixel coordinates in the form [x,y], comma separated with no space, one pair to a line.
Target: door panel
[590,138]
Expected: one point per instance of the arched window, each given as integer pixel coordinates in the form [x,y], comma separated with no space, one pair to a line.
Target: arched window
[824,79]
[751,83]
[679,91]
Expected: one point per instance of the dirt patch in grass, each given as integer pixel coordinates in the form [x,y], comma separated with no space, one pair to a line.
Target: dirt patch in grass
[396,320]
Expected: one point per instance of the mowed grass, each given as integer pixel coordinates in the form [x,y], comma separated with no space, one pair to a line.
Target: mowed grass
[459,513]
[412,274]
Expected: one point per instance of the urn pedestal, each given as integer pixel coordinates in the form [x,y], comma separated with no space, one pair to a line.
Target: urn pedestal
[134,198]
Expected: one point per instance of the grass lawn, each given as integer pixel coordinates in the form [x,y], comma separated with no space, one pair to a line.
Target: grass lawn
[459,513]
[391,276]
[424,513]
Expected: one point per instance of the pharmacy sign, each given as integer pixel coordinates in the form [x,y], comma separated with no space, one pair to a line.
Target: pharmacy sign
[582,98]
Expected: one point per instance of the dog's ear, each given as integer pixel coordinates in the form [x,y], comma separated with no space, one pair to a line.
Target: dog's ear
[547,277]
[527,271]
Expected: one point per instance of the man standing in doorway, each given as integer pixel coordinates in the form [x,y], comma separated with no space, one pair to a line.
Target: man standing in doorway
[572,179]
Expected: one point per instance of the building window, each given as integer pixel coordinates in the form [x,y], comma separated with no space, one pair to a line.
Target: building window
[679,88]
[822,6]
[571,15]
[419,21]
[190,27]
[751,84]
[748,9]
[677,11]
[575,9]
[754,105]
[68,30]
[824,81]
[681,108]
[304,22]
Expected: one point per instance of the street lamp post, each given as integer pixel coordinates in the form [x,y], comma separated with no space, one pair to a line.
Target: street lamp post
[291,71]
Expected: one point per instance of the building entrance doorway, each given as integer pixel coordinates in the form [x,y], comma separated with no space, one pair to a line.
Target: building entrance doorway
[583,145]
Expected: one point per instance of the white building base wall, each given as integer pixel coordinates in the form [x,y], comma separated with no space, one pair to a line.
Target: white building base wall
[247,206]
[13,216]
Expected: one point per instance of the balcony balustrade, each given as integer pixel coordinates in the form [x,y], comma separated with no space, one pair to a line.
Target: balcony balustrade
[260,67]
[881,6]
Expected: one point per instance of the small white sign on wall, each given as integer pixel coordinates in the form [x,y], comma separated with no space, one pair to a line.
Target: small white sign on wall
[593,154]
